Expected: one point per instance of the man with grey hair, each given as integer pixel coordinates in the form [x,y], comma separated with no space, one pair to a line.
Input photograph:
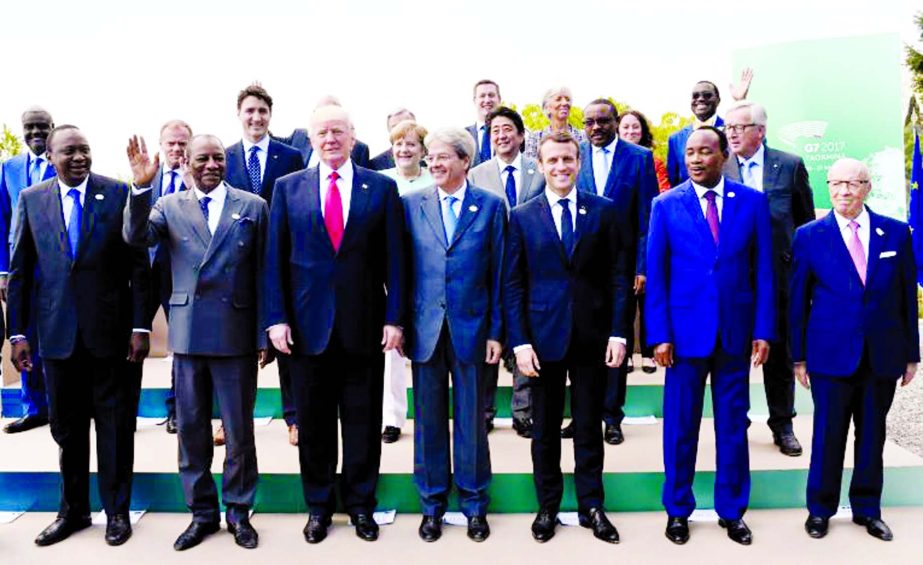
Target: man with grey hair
[854,335]
[784,179]
[335,300]
[455,238]
[385,159]
[25,169]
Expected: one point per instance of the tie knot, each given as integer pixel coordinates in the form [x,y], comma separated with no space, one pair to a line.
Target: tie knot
[509,169]
[74,193]
[254,150]
[334,176]
[564,202]
[450,200]
[205,200]
[710,195]
[854,226]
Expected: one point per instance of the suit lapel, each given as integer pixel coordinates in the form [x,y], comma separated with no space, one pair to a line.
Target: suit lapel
[192,210]
[527,176]
[876,241]
[494,177]
[358,202]
[470,207]
[839,252]
[771,169]
[727,226]
[50,171]
[272,163]
[24,172]
[157,185]
[581,217]
[691,200]
[550,230]
[430,208]
[619,164]
[93,202]
[232,206]
[54,217]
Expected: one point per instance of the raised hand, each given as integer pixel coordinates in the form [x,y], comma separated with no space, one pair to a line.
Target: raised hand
[739,91]
[142,168]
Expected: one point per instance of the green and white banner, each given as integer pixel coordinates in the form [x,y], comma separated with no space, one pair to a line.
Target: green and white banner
[834,98]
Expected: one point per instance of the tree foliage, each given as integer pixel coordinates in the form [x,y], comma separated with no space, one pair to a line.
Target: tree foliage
[10,144]
[913,121]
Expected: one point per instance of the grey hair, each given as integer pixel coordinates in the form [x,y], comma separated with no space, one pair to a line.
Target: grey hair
[757,111]
[552,92]
[456,138]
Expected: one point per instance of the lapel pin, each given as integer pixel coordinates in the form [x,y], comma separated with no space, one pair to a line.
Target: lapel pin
[879,231]
[364,186]
[235,216]
[473,208]
[582,211]
[531,171]
[99,196]
[731,195]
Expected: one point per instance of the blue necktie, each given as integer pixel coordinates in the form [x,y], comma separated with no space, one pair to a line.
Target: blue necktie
[449,219]
[73,224]
[172,186]
[203,204]
[567,227]
[35,171]
[747,170]
[253,167]
[485,144]
[510,185]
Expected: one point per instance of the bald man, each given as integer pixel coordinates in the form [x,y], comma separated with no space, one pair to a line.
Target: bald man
[335,300]
[854,334]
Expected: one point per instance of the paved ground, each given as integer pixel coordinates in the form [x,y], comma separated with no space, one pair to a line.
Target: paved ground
[905,421]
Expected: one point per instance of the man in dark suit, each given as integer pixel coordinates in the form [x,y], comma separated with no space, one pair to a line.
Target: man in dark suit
[26,169]
[301,140]
[254,164]
[455,235]
[91,307]
[335,299]
[704,105]
[174,137]
[624,173]
[783,178]
[710,310]
[385,159]
[564,297]
[854,335]
[516,179]
[216,324]
[486,99]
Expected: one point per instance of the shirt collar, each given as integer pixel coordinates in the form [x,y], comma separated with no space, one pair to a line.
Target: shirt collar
[458,194]
[479,125]
[263,144]
[701,190]
[33,157]
[696,123]
[553,197]
[862,219]
[217,194]
[166,170]
[345,171]
[517,162]
[757,157]
[610,147]
[82,187]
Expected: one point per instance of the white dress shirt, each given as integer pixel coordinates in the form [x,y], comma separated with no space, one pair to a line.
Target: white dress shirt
[67,203]
[344,184]
[755,164]
[215,205]
[314,159]
[864,231]
[262,154]
[602,164]
[719,201]
[517,173]
[480,127]
[165,179]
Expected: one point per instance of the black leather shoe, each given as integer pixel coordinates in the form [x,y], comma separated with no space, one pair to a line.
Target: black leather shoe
[366,528]
[430,528]
[630,366]
[171,424]
[649,368]
[788,444]
[315,531]
[737,530]
[194,534]
[543,525]
[596,520]
[25,424]
[876,527]
[613,434]
[523,427]
[118,529]
[391,434]
[244,534]
[478,528]
[567,432]
[489,424]
[61,529]
[816,526]
[677,529]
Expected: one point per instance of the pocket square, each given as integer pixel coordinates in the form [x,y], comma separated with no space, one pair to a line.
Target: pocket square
[886,254]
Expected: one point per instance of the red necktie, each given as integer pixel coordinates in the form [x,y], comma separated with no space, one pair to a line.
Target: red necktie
[333,212]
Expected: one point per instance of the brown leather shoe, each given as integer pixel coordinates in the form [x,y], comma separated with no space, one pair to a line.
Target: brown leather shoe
[218,438]
[293,434]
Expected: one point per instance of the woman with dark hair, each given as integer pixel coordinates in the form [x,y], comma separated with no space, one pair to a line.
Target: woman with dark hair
[634,128]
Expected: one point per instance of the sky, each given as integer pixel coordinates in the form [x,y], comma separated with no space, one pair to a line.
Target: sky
[118,68]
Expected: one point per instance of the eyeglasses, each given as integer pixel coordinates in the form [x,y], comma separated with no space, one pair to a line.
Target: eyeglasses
[590,122]
[840,184]
[738,128]
[703,95]
[440,158]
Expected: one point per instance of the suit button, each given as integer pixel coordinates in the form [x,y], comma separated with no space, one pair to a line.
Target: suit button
[198,296]
[224,299]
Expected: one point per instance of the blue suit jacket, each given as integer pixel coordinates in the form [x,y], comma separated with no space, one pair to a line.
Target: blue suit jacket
[313,288]
[698,292]
[457,281]
[631,185]
[676,153]
[835,319]
[300,141]
[14,177]
[280,161]
[476,136]
[555,302]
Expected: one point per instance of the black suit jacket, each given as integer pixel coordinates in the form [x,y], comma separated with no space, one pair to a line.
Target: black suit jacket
[300,141]
[280,161]
[100,296]
[382,161]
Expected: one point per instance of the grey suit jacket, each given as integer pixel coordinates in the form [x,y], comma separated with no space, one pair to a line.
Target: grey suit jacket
[215,308]
[487,175]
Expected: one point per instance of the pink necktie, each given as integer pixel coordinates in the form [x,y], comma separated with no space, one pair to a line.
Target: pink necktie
[711,213]
[856,251]
[333,212]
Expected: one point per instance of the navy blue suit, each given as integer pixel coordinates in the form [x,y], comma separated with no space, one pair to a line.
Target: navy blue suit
[382,161]
[14,177]
[632,186]
[857,341]
[456,308]
[676,153]
[281,160]
[566,308]
[336,305]
[710,301]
